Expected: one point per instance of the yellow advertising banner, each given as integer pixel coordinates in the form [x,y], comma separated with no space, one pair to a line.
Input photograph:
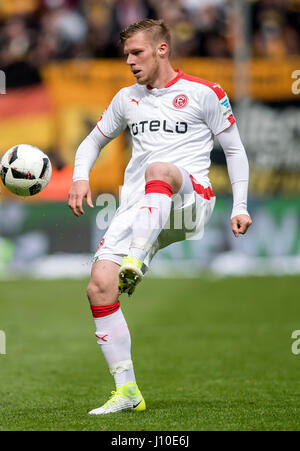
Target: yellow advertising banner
[81,91]
[59,114]
[264,79]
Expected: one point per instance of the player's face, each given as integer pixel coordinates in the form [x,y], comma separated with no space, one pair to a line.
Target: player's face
[142,58]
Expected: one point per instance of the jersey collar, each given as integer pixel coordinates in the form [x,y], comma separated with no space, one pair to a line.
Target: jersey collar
[175,80]
[172,82]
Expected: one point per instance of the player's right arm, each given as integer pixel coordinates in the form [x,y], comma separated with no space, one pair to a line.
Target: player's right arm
[110,125]
[86,155]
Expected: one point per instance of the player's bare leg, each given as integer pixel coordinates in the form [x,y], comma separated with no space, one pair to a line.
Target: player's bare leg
[162,181]
[167,172]
[103,286]
[114,338]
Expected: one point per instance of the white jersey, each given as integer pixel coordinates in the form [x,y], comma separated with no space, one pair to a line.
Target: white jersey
[174,124]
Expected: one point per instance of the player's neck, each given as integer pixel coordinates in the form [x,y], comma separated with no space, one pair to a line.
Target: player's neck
[165,75]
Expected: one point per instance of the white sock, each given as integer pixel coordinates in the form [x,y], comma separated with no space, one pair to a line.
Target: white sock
[151,218]
[114,339]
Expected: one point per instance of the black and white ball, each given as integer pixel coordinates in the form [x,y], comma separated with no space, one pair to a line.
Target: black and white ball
[25,170]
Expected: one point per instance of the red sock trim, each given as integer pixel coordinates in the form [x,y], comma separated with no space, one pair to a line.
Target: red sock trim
[158,186]
[98,311]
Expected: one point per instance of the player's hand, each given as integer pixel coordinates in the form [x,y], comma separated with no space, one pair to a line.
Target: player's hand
[79,190]
[240,224]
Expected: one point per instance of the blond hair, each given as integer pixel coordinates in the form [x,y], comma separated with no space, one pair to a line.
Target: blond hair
[156,29]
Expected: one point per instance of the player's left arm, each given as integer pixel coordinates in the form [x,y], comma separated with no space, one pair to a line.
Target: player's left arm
[238,170]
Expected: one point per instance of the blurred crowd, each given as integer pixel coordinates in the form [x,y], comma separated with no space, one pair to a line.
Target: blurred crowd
[35,32]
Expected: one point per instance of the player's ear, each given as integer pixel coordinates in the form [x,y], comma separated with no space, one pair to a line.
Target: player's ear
[162,49]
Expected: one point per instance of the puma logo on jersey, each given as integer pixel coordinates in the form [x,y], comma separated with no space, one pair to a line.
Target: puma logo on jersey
[136,101]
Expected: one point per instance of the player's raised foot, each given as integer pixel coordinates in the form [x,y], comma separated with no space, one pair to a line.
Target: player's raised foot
[130,274]
[127,397]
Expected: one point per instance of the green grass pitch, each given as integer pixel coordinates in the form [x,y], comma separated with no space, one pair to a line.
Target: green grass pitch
[209,354]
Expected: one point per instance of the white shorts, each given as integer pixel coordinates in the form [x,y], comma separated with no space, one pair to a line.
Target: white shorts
[191,209]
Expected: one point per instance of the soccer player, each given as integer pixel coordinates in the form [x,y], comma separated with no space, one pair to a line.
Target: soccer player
[172,118]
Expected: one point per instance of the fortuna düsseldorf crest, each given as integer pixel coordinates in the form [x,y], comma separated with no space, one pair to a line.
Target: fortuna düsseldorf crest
[180,101]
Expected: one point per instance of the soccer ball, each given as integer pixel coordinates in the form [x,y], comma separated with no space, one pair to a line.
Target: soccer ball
[25,170]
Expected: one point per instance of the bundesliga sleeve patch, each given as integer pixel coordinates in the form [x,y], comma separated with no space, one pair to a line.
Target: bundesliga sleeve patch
[225,106]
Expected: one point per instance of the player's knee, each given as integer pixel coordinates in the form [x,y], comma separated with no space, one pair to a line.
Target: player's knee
[91,291]
[100,291]
[158,171]
[167,172]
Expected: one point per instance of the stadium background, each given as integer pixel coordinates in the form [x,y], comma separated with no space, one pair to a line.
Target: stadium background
[63,64]
[210,352]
